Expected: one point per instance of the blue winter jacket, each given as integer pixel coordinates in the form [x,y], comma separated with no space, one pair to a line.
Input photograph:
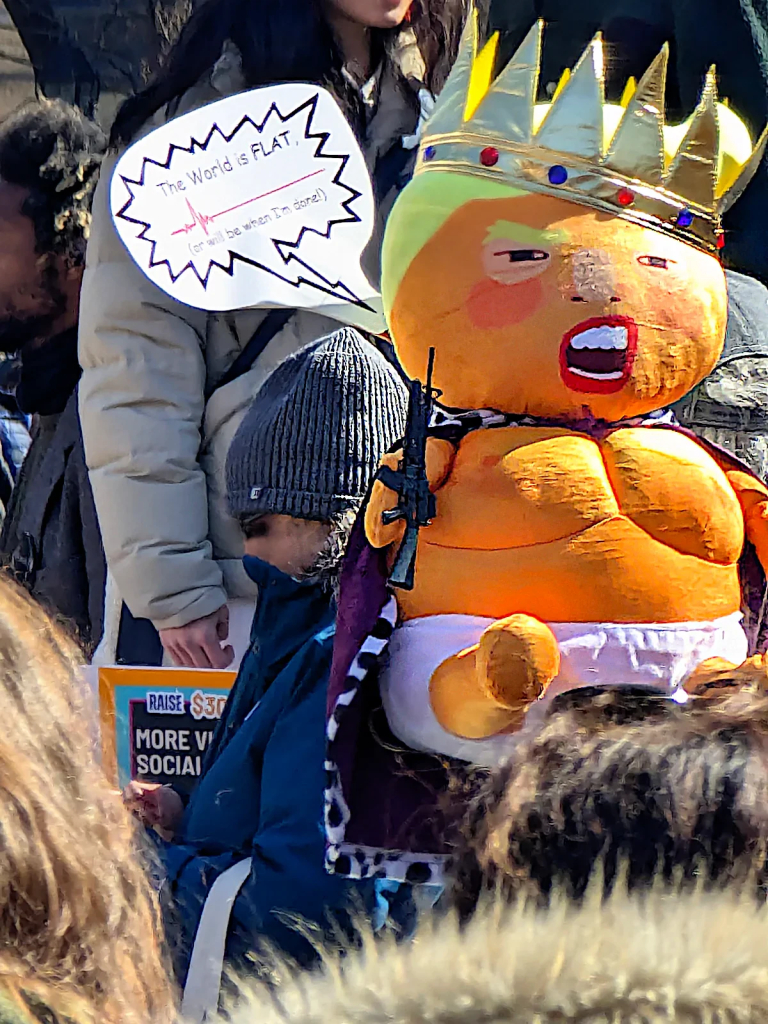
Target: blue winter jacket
[261,792]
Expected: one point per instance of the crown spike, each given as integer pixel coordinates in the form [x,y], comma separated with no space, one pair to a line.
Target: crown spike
[612,159]
[574,122]
[693,171]
[746,174]
[637,149]
[451,104]
[513,97]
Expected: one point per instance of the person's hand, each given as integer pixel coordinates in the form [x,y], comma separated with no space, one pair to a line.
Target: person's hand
[156,806]
[199,643]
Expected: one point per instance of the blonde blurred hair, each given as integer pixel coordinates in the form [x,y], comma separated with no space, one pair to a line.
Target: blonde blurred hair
[663,956]
[80,932]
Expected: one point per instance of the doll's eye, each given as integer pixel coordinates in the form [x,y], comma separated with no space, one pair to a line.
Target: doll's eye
[506,262]
[654,261]
[523,255]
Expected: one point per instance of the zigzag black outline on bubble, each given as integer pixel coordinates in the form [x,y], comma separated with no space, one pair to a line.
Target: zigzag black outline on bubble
[336,289]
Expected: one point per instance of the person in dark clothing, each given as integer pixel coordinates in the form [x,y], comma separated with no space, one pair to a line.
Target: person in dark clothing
[14,445]
[297,471]
[730,406]
[732,35]
[50,542]
[60,65]
[81,50]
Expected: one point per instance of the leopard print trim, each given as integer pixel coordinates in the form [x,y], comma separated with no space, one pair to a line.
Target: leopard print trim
[346,859]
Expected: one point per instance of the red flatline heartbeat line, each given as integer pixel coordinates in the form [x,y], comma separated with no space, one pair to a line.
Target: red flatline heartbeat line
[203,220]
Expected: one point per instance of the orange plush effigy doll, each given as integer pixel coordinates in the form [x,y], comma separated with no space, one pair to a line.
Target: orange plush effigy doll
[562,260]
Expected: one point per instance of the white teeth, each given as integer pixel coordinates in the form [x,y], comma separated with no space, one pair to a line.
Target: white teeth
[604,337]
[616,375]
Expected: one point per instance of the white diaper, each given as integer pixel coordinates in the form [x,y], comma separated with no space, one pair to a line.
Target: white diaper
[592,654]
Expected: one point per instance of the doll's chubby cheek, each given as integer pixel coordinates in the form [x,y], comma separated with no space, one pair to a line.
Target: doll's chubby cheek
[491,304]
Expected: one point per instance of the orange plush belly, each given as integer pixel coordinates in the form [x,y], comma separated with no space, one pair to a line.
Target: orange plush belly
[641,526]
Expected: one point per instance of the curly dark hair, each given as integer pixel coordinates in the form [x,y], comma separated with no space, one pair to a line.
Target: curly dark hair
[282,41]
[632,782]
[53,150]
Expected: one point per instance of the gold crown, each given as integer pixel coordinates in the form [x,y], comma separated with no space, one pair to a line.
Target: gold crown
[578,151]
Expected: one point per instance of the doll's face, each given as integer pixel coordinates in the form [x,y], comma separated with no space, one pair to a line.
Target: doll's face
[537,305]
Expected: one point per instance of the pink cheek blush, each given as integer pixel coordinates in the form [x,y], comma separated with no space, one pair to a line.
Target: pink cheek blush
[491,304]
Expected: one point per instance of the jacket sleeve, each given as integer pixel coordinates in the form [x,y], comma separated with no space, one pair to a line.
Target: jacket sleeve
[288,881]
[141,407]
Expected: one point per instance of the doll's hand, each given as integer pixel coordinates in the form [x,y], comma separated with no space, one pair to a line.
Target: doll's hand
[157,806]
[439,460]
[717,677]
[383,499]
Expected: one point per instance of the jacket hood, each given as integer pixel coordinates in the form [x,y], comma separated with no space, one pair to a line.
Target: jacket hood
[636,959]
[265,575]
[288,611]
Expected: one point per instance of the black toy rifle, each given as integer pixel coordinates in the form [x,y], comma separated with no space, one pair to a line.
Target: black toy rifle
[416,503]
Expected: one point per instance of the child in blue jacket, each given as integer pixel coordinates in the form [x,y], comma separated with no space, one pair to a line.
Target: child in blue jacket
[297,472]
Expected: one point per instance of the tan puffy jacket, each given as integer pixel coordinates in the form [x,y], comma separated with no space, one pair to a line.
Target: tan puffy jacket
[658,958]
[155,446]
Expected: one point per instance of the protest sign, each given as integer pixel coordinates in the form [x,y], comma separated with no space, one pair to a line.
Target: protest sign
[156,723]
[259,199]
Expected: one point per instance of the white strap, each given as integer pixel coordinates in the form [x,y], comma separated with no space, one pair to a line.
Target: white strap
[106,652]
[201,993]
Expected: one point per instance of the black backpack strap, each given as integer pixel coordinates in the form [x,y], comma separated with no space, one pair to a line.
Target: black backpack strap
[269,328]
[393,170]
[138,642]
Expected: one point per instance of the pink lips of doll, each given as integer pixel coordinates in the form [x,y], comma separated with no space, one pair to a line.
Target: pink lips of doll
[596,356]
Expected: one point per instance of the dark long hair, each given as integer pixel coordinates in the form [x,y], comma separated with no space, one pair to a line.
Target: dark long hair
[282,41]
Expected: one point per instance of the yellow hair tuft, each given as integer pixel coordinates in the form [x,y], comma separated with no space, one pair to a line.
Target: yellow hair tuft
[629,91]
[482,76]
[564,80]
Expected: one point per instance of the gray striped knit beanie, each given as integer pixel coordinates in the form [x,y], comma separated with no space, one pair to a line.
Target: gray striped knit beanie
[310,444]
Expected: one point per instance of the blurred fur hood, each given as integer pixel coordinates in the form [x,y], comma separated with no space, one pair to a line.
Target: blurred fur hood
[696,957]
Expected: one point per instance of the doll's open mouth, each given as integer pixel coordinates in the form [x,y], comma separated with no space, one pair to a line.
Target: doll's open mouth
[596,356]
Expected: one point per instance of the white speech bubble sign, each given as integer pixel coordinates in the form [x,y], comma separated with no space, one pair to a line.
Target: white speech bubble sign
[260,199]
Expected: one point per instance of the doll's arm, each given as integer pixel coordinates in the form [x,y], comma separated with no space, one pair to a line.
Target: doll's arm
[439,460]
[753,498]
